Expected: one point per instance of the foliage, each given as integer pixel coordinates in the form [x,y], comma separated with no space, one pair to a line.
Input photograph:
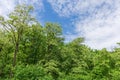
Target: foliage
[30,72]
[30,51]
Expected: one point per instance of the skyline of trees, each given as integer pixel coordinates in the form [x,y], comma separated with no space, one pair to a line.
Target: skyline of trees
[30,51]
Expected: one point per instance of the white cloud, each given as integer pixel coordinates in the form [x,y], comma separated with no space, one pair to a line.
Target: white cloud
[6,6]
[101,23]
[67,7]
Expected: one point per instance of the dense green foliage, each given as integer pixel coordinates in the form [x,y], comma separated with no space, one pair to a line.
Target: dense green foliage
[29,51]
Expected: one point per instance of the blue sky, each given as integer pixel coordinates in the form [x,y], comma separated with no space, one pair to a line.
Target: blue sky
[98,21]
[49,15]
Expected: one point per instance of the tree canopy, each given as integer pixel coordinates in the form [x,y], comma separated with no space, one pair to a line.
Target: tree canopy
[30,51]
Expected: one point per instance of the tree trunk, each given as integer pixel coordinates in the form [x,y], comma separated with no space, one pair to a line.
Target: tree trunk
[15,54]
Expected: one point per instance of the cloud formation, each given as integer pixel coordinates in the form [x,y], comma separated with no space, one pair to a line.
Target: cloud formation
[97,20]
[77,7]
[6,6]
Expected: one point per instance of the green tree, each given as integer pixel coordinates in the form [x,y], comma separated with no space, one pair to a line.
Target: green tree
[32,45]
[16,24]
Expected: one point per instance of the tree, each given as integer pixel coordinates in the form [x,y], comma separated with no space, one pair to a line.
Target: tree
[32,45]
[18,21]
[53,40]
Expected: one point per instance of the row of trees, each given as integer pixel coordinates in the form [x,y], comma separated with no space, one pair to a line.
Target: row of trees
[29,51]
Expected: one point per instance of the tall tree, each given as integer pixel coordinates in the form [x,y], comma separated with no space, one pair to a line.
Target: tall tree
[18,21]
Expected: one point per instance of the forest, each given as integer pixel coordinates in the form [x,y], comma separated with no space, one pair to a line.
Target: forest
[30,51]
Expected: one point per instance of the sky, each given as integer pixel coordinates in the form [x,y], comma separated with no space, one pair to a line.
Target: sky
[98,21]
